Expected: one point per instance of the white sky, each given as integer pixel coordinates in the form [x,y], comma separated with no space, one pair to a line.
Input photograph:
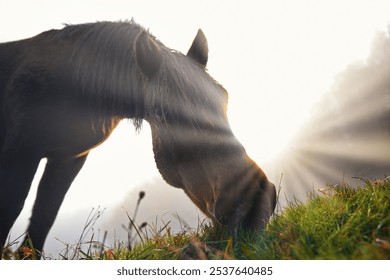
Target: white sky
[275,58]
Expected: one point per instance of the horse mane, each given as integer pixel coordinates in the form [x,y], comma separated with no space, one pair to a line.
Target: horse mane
[105,66]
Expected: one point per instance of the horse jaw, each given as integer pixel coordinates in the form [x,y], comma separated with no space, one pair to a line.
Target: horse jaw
[230,188]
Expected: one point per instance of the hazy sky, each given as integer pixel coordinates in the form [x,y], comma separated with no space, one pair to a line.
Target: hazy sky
[275,58]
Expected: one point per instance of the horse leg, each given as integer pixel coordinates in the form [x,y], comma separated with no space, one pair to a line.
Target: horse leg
[17,169]
[55,182]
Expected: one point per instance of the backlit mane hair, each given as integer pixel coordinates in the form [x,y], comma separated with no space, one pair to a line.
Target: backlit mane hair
[105,65]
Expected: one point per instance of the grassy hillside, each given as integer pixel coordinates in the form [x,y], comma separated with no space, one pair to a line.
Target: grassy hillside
[339,223]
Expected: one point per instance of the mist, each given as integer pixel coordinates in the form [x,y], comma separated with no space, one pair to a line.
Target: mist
[162,205]
[346,133]
[345,139]
[347,136]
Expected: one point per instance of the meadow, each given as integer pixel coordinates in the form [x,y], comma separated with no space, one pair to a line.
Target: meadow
[336,222]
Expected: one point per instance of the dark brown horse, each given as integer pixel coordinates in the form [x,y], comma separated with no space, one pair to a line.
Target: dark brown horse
[64,91]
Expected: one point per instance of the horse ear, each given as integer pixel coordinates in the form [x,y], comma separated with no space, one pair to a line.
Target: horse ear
[148,55]
[199,50]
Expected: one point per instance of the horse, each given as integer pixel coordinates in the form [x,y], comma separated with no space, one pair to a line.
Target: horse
[63,92]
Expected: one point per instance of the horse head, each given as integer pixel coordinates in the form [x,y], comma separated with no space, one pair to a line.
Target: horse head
[194,146]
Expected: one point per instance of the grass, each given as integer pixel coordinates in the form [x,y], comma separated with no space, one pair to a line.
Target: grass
[344,223]
[341,223]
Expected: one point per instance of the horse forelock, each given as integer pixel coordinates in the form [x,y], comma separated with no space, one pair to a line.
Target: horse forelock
[105,67]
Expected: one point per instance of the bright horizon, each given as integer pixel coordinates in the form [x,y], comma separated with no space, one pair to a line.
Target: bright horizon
[276,59]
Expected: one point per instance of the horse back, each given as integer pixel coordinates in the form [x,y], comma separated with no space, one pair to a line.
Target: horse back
[17,55]
[36,80]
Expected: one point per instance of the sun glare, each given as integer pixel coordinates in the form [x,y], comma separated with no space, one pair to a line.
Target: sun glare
[287,68]
[283,84]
